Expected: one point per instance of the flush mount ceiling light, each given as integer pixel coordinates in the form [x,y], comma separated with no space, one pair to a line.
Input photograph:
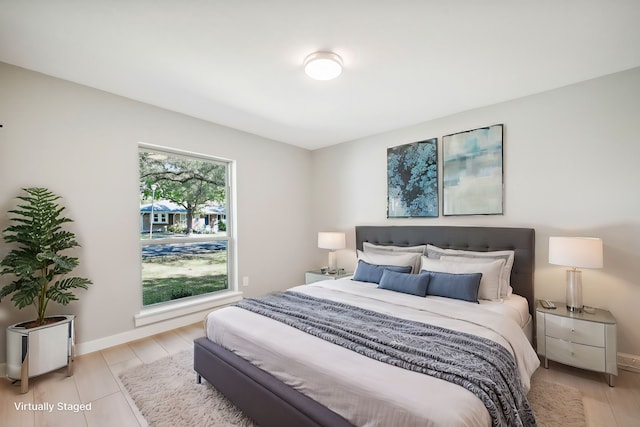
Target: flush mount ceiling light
[323,65]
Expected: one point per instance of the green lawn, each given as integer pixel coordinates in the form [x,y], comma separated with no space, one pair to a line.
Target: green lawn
[171,277]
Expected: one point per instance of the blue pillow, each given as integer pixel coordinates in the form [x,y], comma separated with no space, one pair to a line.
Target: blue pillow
[373,273]
[414,284]
[458,286]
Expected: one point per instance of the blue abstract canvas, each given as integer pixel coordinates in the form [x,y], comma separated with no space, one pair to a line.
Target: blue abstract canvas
[412,180]
[472,181]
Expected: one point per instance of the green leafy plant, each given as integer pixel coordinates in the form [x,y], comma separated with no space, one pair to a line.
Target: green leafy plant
[37,264]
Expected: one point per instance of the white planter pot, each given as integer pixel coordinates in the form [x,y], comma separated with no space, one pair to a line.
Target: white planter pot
[35,351]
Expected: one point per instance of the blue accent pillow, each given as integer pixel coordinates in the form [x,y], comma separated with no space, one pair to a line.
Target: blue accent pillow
[372,273]
[414,284]
[458,286]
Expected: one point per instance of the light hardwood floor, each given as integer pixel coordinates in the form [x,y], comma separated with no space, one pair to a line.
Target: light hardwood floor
[96,381]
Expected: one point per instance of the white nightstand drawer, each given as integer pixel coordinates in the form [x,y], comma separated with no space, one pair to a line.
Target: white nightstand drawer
[578,355]
[311,277]
[576,331]
[317,276]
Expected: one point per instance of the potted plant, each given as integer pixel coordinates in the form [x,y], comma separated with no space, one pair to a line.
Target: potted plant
[40,272]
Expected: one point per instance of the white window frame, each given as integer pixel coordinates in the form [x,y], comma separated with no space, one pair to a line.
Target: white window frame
[188,306]
[163,218]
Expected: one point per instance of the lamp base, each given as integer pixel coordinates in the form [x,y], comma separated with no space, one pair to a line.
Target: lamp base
[574,290]
[333,263]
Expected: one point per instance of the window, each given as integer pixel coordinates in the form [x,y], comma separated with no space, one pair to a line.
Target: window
[184,227]
[160,218]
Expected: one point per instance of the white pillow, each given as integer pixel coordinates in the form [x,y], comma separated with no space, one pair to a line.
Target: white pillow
[370,247]
[476,260]
[509,256]
[392,258]
[491,271]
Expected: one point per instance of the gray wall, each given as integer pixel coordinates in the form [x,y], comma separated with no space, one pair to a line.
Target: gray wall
[83,144]
[571,167]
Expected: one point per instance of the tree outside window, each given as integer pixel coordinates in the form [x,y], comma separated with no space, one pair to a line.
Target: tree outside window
[183,224]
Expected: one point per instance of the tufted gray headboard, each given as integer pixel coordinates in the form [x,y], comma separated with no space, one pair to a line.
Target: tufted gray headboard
[520,240]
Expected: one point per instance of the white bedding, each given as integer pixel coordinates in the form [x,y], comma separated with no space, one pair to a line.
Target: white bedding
[364,391]
[514,306]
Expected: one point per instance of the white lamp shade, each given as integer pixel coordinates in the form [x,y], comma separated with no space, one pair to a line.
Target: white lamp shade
[577,252]
[331,240]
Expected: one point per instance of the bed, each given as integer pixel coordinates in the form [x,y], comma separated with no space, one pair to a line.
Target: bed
[275,387]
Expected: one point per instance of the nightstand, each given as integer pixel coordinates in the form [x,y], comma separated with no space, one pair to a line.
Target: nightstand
[317,275]
[585,340]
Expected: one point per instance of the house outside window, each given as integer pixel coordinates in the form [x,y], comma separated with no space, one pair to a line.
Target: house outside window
[185,237]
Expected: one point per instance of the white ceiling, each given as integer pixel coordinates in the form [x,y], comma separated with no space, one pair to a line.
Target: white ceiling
[239,63]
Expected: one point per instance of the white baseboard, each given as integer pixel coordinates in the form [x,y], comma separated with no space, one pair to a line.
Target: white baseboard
[629,362]
[138,333]
[132,335]
[155,321]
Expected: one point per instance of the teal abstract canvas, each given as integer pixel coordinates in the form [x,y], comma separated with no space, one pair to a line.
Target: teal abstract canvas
[412,178]
[472,172]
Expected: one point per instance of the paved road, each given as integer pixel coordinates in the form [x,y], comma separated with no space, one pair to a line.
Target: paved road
[182,249]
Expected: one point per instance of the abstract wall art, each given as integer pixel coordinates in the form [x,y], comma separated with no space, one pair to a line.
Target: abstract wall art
[412,180]
[472,175]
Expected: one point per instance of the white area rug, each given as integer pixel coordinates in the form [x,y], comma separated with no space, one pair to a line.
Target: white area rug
[166,393]
[556,405]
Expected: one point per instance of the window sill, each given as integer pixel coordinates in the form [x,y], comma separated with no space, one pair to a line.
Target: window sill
[182,308]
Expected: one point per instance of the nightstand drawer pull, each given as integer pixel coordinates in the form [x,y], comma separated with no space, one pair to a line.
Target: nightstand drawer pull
[577,331]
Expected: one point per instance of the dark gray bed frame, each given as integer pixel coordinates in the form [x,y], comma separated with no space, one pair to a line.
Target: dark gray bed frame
[270,402]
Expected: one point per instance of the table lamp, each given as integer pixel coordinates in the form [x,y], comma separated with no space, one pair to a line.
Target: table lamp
[575,252]
[331,240]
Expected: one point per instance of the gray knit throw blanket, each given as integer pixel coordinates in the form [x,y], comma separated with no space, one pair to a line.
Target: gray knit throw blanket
[480,365]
